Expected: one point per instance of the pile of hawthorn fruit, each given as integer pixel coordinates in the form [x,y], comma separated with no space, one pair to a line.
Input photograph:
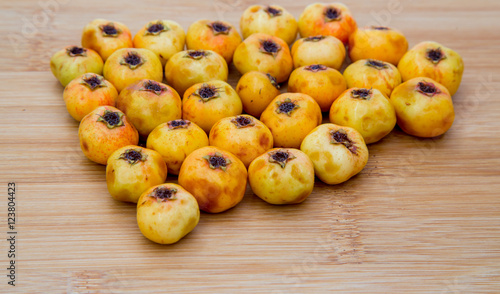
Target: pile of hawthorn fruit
[193,125]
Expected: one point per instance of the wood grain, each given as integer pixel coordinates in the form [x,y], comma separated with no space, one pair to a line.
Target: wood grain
[423,217]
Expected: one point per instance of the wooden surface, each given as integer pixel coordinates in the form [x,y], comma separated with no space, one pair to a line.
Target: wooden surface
[423,216]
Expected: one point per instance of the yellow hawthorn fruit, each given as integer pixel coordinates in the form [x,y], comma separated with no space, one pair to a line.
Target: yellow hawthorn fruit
[380,43]
[423,107]
[164,37]
[86,93]
[326,50]
[322,83]
[73,61]
[282,176]
[433,60]
[131,170]
[130,65]
[166,213]
[175,140]
[370,73]
[105,37]
[272,20]
[337,152]
[367,110]
[215,177]
[187,68]
[207,103]
[103,131]
[242,135]
[333,19]
[264,53]
[290,117]
[218,36]
[148,103]
[256,91]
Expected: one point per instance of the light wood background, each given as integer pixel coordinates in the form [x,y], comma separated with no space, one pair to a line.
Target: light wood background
[423,216]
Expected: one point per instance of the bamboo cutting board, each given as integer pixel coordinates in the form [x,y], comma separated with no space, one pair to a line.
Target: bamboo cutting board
[422,217]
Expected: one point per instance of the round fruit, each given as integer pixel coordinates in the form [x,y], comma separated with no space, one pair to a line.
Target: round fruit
[326,50]
[370,73]
[256,91]
[85,93]
[322,83]
[103,131]
[380,43]
[131,170]
[272,20]
[127,66]
[149,103]
[207,103]
[73,61]
[337,152]
[187,68]
[216,178]
[366,110]
[290,117]
[282,176]
[327,20]
[218,36]
[433,60]
[166,213]
[105,37]
[264,53]
[423,107]
[242,135]
[175,140]
[164,37]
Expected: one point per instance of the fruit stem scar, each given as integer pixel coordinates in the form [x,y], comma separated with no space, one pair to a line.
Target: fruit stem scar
[178,124]
[435,55]
[219,27]
[217,160]
[273,11]
[269,47]
[153,86]
[315,67]
[207,92]
[280,156]
[164,193]
[109,30]
[132,60]
[428,89]
[332,13]
[133,156]
[76,51]
[286,106]
[340,137]
[376,64]
[273,81]
[112,119]
[156,28]
[93,81]
[364,94]
[196,54]
[242,121]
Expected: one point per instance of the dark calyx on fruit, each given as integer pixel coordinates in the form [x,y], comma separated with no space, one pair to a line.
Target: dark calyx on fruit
[281,157]
[217,160]
[314,38]
[196,54]
[286,106]
[109,29]
[93,82]
[273,11]
[269,47]
[376,64]
[365,94]
[435,55]
[219,28]
[207,92]
[133,156]
[340,137]
[156,28]
[273,81]
[380,28]
[178,124]
[315,67]
[132,58]
[76,51]
[332,13]
[242,121]
[164,193]
[112,119]
[428,89]
[153,86]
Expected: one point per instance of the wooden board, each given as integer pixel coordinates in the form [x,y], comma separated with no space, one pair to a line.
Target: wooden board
[423,216]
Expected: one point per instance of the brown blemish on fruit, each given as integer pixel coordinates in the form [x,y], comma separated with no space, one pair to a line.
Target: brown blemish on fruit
[340,137]
[263,140]
[85,145]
